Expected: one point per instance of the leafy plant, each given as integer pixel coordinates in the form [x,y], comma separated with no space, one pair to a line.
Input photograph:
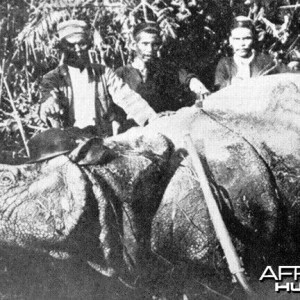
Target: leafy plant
[194,32]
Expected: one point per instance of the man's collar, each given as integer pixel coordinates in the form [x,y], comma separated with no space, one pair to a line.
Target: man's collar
[245,61]
[92,71]
[81,68]
[152,66]
[64,62]
[138,64]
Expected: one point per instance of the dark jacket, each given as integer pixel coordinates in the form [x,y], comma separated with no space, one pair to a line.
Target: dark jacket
[261,65]
[167,87]
[110,90]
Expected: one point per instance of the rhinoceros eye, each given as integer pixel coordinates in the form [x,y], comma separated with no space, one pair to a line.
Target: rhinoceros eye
[7,178]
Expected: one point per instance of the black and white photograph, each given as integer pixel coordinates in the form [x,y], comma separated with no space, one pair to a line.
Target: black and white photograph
[149,149]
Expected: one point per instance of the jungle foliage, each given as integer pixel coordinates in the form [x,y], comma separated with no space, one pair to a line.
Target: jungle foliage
[194,31]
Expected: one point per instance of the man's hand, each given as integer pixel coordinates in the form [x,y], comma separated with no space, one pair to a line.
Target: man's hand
[166,113]
[198,88]
[51,108]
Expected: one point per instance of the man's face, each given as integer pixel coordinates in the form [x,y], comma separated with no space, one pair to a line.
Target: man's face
[147,46]
[76,49]
[241,40]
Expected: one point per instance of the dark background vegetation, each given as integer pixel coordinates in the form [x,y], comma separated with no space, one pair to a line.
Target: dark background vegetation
[195,34]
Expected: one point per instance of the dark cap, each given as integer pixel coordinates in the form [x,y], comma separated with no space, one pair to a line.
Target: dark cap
[242,22]
[149,27]
[50,143]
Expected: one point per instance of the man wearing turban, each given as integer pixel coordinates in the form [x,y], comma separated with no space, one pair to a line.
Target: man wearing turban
[81,94]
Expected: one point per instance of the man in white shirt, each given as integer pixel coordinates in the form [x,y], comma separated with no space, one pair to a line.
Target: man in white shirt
[78,93]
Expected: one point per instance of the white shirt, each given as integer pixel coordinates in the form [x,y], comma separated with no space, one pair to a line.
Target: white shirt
[140,65]
[83,98]
[243,66]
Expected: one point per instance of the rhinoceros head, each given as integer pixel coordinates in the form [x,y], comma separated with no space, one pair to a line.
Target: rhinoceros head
[61,204]
[40,202]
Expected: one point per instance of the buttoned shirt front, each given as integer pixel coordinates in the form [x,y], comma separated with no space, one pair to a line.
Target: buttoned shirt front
[243,67]
[83,106]
[110,91]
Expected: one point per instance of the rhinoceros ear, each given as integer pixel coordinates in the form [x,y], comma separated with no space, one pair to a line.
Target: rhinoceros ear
[92,151]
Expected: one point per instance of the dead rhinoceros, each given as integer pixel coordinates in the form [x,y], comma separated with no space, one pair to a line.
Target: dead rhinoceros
[251,153]
[145,205]
[67,209]
[256,123]
[142,205]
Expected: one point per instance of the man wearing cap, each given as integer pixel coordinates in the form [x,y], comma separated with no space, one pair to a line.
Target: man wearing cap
[78,93]
[246,62]
[163,86]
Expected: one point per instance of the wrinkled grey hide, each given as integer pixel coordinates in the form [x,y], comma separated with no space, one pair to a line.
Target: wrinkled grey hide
[64,209]
[142,212]
[243,185]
